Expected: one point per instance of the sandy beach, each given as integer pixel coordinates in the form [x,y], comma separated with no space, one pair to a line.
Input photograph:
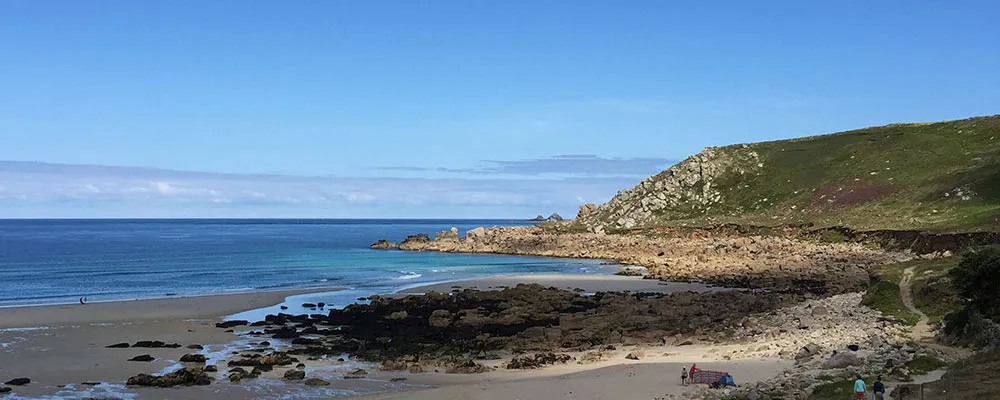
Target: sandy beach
[62,349]
[65,344]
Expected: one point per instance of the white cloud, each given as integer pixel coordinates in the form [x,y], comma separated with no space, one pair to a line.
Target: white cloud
[38,189]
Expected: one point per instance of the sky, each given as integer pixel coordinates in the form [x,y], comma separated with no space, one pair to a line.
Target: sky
[435,108]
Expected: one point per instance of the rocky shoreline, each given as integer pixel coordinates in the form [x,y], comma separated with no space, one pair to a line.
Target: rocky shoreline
[771,262]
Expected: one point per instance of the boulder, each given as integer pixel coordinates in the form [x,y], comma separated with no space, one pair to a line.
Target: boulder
[181,377]
[842,360]
[194,358]
[155,344]
[196,347]
[316,382]
[18,382]
[635,355]
[211,368]
[399,315]
[4,389]
[142,358]
[231,324]
[294,375]
[804,323]
[440,318]
[466,366]
[538,360]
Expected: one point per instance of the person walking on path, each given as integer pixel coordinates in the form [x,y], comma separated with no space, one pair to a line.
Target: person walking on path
[684,376]
[878,388]
[859,388]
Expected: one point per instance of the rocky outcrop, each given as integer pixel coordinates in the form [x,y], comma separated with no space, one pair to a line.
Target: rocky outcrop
[181,377]
[448,329]
[585,211]
[294,375]
[194,358]
[772,262]
[538,360]
[414,242]
[687,189]
[383,244]
[554,217]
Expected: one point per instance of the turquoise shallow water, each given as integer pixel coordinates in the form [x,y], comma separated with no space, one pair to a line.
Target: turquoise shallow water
[59,261]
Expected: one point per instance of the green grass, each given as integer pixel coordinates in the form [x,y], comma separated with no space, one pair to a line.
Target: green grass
[839,389]
[932,293]
[884,296]
[900,176]
[924,364]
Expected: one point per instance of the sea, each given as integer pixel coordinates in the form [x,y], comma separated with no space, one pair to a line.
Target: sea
[61,261]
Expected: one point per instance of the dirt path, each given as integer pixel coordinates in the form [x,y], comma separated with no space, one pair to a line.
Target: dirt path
[922,331]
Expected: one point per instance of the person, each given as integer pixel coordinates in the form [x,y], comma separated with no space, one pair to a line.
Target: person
[859,388]
[879,388]
[684,376]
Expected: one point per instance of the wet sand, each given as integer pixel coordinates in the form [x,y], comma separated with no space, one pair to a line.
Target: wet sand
[65,344]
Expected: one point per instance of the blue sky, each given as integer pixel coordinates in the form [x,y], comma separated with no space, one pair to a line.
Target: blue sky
[486,104]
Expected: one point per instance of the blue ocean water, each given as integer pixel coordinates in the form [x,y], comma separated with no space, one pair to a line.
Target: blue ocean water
[59,261]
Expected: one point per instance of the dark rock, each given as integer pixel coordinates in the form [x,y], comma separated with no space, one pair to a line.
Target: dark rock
[538,360]
[315,382]
[194,358]
[211,368]
[90,383]
[853,347]
[321,304]
[260,323]
[308,305]
[261,369]
[181,377]
[300,366]
[18,382]
[304,341]
[283,333]
[284,307]
[383,244]
[118,346]
[142,358]
[264,343]
[294,375]
[232,324]
[195,347]
[554,217]
[277,358]
[398,379]
[539,218]
[5,389]
[466,366]
[356,373]
[155,344]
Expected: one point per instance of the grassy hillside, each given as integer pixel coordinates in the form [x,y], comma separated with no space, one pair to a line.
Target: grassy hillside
[942,176]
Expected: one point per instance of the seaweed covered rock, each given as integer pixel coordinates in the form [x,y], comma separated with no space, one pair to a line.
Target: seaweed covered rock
[181,377]
[538,360]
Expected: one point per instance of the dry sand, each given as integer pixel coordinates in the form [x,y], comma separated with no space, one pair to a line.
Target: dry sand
[587,282]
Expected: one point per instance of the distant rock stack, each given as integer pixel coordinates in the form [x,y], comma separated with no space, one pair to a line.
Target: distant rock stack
[383,244]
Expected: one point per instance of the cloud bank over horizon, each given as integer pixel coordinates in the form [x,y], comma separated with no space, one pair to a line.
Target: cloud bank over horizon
[501,189]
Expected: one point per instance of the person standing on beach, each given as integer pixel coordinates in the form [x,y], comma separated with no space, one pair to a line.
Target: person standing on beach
[684,376]
[859,388]
[878,388]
